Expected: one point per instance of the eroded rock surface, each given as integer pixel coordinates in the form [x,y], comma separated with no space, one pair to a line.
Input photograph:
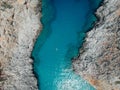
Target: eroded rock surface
[99,60]
[19,27]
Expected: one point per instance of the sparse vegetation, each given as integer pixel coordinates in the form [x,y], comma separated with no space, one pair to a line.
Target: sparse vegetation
[5,5]
[117,82]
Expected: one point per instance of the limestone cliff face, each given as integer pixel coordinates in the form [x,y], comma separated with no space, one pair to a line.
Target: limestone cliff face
[19,27]
[99,60]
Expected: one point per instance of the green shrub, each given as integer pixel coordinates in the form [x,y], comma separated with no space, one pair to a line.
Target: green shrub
[117,82]
[5,5]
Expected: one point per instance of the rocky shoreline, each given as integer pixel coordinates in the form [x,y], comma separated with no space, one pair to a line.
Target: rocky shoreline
[19,28]
[99,59]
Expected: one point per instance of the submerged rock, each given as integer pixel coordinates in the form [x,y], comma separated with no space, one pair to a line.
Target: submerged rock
[19,27]
[99,60]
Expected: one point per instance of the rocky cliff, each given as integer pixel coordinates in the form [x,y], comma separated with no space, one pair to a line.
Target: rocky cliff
[99,59]
[19,27]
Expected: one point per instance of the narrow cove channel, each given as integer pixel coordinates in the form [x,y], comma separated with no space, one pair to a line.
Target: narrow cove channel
[65,23]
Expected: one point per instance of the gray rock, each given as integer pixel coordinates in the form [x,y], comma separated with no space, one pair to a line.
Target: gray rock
[19,27]
[99,64]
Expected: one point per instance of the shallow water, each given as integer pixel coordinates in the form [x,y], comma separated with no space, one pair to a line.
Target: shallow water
[65,23]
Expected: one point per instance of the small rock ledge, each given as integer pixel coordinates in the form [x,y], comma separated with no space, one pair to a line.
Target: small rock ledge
[19,28]
[99,60]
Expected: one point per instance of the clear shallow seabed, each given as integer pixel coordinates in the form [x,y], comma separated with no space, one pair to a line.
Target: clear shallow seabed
[65,23]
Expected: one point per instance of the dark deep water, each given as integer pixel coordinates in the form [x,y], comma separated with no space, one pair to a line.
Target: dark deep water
[65,23]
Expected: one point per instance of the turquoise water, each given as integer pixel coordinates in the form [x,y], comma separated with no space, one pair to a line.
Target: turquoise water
[65,23]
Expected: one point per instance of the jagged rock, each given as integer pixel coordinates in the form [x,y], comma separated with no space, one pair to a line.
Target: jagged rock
[99,64]
[19,27]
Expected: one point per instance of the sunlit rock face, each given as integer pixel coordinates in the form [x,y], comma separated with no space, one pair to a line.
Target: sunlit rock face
[99,60]
[19,25]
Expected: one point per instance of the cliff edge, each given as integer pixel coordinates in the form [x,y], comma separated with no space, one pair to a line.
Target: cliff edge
[19,27]
[99,59]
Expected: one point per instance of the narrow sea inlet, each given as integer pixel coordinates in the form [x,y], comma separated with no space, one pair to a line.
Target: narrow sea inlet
[65,23]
